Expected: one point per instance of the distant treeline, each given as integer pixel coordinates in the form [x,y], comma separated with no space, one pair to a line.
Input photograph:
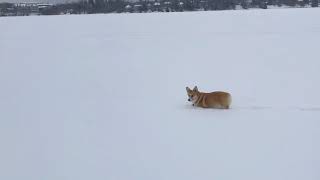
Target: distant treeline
[120,6]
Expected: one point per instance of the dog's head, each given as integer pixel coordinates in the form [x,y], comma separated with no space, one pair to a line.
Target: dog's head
[192,94]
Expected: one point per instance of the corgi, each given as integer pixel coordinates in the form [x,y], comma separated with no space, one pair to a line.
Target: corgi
[217,99]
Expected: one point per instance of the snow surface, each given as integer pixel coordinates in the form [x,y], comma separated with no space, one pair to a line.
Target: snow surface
[103,96]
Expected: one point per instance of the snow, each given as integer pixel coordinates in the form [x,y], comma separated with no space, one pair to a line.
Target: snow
[103,96]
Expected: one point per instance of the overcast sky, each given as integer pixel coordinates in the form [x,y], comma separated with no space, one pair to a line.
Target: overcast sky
[42,1]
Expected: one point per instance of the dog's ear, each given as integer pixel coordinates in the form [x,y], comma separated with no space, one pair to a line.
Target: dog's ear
[188,89]
[195,89]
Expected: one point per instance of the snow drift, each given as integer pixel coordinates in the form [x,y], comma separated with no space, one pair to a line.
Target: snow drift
[103,96]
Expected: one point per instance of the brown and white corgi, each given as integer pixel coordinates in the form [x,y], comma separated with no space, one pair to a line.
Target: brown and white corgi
[217,99]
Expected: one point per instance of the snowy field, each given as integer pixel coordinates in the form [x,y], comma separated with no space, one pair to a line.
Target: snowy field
[103,97]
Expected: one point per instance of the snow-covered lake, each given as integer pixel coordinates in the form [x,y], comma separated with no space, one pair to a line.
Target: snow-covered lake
[103,97]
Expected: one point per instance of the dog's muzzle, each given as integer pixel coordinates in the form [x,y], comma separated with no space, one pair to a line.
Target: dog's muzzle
[189,99]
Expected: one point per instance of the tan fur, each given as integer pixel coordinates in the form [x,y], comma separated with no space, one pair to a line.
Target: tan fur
[217,99]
